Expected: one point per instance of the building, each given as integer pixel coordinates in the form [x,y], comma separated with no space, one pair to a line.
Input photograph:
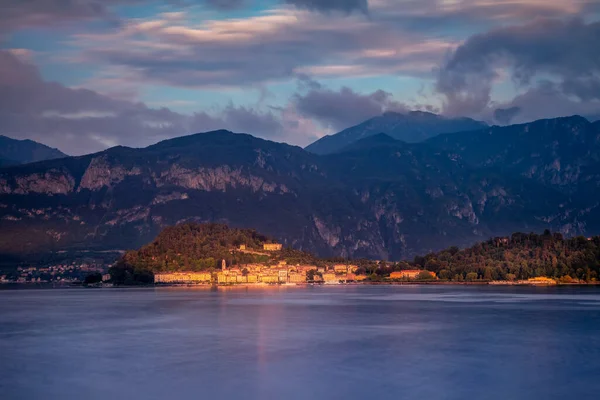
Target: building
[340,268]
[272,246]
[541,280]
[242,247]
[295,277]
[283,275]
[330,277]
[409,274]
[221,277]
[183,277]
[269,278]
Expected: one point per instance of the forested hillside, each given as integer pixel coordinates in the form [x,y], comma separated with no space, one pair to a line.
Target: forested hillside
[192,247]
[521,256]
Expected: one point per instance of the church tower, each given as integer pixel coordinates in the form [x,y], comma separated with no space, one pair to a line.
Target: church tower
[223,265]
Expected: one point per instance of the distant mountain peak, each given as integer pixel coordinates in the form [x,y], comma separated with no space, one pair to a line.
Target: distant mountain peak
[23,151]
[412,127]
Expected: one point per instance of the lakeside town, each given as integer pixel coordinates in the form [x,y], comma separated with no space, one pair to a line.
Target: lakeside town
[71,273]
[96,273]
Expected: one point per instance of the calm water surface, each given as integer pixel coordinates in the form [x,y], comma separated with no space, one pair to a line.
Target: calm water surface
[396,342]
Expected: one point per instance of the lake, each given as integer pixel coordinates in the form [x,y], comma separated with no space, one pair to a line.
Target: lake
[342,342]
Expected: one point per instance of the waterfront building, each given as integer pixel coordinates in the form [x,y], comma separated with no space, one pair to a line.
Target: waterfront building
[295,277]
[282,274]
[269,278]
[409,274]
[340,268]
[541,280]
[183,277]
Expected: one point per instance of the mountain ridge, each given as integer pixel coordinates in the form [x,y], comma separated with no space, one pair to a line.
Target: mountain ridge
[382,199]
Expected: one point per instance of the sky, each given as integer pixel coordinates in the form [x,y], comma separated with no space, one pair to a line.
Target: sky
[85,75]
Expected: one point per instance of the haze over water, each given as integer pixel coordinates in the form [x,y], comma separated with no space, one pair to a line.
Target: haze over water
[347,342]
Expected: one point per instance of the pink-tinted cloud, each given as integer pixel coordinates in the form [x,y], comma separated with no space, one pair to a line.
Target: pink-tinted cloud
[81,120]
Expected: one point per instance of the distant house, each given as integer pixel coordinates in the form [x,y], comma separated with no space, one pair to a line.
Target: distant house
[295,277]
[183,277]
[409,274]
[340,268]
[242,247]
[272,246]
[329,277]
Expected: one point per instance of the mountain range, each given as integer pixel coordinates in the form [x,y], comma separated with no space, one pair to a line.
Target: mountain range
[411,127]
[377,197]
[13,152]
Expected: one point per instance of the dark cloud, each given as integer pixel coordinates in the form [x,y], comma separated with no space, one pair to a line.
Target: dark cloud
[37,13]
[226,4]
[566,51]
[547,100]
[80,121]
[505,115]
[347,6]
[340,109]
[17,14]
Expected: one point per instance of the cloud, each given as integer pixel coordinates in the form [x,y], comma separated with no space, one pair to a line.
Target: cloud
[275,45]
[19,14]
[337,110]
[226,5]
[80,121]
[547,100]
[505,115]
[564,52]
[346,6]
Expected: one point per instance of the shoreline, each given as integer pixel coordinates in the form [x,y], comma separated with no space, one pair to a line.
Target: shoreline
[15,285]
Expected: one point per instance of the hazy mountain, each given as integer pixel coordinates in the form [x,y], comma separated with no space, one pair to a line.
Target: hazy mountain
[413,127]
[378,198]
[13,151]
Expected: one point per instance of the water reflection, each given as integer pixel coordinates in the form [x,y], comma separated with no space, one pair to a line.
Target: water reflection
[345,342]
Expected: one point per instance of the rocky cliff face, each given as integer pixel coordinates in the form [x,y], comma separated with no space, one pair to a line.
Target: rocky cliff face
[379,198]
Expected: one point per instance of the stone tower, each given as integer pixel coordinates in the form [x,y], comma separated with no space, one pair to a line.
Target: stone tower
[223,265]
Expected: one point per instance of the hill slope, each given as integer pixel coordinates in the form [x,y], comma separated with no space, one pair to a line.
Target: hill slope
[520,256]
